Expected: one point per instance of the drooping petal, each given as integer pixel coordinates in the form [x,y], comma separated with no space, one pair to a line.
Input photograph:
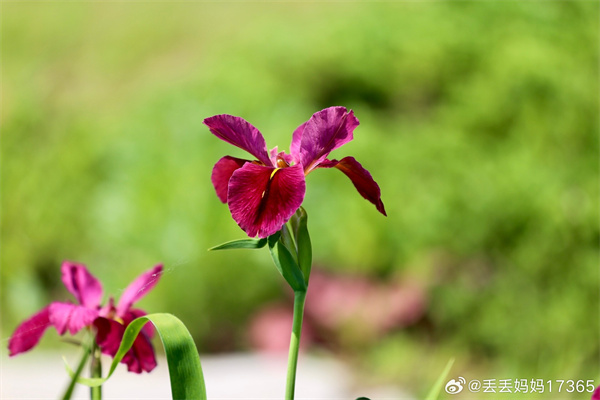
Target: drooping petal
[222,172]
[138,289]
[139,358]
[325,131]
[239,132]
[83,285]
[29,333]
[360,177]
[71,317]
[261,199]
[108,335]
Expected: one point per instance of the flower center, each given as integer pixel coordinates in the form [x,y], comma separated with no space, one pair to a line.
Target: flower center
[281,163]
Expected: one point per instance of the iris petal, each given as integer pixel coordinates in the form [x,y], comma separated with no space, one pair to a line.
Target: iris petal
[360,177]
[222,172]
[29,333]
[83,285]
[261,199]
[324,132]
[139,358]
[71,317]
[239,132]
[138,289]
[296,140]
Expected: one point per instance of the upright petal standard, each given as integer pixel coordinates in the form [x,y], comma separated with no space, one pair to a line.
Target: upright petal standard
[263,194]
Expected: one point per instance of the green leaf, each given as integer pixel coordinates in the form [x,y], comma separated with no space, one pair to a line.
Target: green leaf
[299,222]
[437,387]
[241,244]
[185,371]
[285,263]
[288,241]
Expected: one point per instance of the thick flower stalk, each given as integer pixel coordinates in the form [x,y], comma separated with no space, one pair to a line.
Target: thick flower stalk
[264,193]
[109,321]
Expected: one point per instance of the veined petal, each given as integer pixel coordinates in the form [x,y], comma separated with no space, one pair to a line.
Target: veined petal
[138,289]
[239,132]
[360,177]
[261,199]
[139,358]
[296,140]
[325,131]
[222,172]
[71,317]
[29,333]
[83,285]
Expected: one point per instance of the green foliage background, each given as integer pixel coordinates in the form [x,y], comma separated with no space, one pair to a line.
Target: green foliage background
[479,120]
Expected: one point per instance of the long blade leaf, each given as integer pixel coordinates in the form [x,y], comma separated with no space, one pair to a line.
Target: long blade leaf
[185,371]
[437,387]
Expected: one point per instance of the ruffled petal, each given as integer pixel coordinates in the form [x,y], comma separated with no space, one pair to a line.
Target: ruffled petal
[222,172]
[325,131]
[83,285]
[261,199]
[360,177]
[71,317]
[139,358]
[239,132]
[29,333]
[138,289]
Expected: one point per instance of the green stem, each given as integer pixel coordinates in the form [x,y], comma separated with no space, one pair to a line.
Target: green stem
[299,298]
[71,387]
[96,371]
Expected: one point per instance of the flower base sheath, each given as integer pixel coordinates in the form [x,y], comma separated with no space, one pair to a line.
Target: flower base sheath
[262,194]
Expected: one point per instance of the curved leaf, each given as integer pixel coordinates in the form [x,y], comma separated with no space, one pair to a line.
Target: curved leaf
[185,371]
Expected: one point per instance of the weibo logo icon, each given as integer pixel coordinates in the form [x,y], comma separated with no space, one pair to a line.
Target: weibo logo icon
[455,386]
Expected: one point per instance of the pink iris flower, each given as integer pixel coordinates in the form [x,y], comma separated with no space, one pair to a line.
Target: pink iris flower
[109,321]
[263,194]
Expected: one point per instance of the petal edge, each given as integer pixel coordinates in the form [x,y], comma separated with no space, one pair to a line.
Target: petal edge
[360,177]
[240,133]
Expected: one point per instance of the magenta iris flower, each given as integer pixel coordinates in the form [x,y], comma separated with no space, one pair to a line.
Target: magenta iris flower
[109,321]
[263,194]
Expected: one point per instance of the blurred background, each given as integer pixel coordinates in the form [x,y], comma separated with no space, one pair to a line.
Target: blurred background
[479,121]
